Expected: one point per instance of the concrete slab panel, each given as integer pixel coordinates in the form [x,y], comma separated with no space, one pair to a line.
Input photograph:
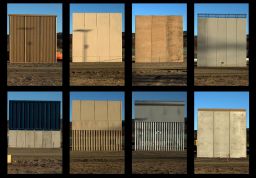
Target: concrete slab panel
[114,110]
[143,38]
[205,134]
[101,110]
[103,36]
[212,24]
[78,36]
[241,43]
[115,43]
[56,139]
[47,139]
[221,42]
[76,110]
[38,139]
[21,139]
[87,110]
[12,138]
[237,134]
[231,42]
[202,42]
[30,139]
[100,125]
[221,134]
[115,125]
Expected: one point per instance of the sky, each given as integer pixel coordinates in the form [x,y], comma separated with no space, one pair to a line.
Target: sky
[160,9]
[116,96]
[222,8]
[100,8]
[225,100]
[49,9]
[162,96]
[41,96]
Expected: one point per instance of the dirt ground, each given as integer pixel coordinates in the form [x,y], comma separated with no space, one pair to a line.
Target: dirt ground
[221,76]
[152,162]
[35,161]
[34,74]
[96,162]
[221,166]
[97,74]
[159,74]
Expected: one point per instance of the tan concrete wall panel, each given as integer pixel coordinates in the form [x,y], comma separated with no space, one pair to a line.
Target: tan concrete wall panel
[30,139]
[205,134]
[237,134]
[115,125]
[56,139]
[21,139]
[101,110]
[115,43]
[158,39]
[143,38]
[114,110]
[212,24]
[221,42]
[87,110]
[38,139]
[202,42]
[47,139]
[231,42]
[12,139]
[241,43]
[76,110]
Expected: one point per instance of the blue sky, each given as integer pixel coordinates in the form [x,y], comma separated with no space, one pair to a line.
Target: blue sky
[118,96]
[42,96]
[220,9]
[100,8]
[159,9]
[163,96]
[49,9]
[225,100]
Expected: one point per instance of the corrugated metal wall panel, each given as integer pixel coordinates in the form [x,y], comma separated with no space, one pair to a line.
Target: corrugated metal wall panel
[34,115]
[32,39]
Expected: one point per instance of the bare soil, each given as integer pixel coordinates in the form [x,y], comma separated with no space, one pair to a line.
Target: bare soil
[159,74]
[34,74]
[154,162]
[97,74]
[221,166]
[221,76]
[96,162]
[35,161]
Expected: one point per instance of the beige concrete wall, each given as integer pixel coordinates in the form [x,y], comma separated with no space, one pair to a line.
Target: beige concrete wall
[97,37]
[221,133]
[159,39]
[221,42]
[34,139]
[96,125]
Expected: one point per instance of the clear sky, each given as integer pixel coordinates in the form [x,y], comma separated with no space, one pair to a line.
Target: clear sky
[159,9]
[116,96]
[35,96]
[212,8]
[225,100]
[100,8]
[162,96]
[49,9]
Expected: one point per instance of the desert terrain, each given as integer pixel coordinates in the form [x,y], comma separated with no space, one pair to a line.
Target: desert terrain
[157,162]
[97,74]
[34,74]
[35,161]
[82,162]
[212,76]
[221,166]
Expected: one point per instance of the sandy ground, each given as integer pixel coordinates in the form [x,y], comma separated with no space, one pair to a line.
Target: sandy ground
[148,162]
[221,166]
[35,161]
[34,74]
[221,76]
[96,162]
[159,74]
[97,74]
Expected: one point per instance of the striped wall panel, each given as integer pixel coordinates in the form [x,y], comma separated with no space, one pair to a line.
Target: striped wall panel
[159,136]
[96,140]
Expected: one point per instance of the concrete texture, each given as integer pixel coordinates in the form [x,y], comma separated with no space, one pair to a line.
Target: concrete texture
[97,37]
[155,111]
[96,125]
[221,42]
[159,39]
[221,133]
[34,139]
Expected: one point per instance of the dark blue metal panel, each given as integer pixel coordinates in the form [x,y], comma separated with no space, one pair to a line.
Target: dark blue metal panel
[34,115]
